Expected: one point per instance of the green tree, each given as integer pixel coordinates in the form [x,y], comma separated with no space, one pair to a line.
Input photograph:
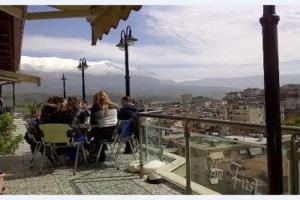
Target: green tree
[8,141]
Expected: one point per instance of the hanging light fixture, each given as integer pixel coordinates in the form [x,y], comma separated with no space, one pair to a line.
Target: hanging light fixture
[129,38]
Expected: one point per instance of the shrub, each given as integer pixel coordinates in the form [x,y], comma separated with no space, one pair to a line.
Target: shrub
[9,142]
[34,108]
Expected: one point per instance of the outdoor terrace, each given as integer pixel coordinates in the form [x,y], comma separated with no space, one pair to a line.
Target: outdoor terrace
[201,170]
[94,179]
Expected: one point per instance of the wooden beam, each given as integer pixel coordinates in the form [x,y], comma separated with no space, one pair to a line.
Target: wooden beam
[11,10]
[5,51]
[5,57]
[4,43]
[60,14]
[4,78]
[6,83]
[18,77]
[5,62]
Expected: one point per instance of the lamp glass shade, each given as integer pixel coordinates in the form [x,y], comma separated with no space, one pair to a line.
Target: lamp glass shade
[131,40]
[80,64]
[84,65]
[121,45]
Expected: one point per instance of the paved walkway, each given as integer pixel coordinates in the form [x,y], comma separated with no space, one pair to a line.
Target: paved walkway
[96,179]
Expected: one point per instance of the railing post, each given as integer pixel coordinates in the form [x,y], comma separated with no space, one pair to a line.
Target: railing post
[294,167]
[159,141]
[187,157]
[146,139]
[140,128]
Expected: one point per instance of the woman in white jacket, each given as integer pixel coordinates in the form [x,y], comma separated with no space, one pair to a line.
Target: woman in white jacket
[103,120]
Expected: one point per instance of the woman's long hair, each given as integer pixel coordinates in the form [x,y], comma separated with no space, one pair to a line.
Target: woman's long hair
[102,99]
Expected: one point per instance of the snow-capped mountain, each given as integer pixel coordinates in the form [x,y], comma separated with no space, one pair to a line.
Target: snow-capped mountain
[105,75]
[60,65]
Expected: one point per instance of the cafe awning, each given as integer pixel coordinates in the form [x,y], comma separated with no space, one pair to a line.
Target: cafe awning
[13,77]
[12,18]
[101,18]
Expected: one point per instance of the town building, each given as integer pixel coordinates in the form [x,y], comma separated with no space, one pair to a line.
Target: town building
[290,101]
[186,98]
[229,165]
[148,104]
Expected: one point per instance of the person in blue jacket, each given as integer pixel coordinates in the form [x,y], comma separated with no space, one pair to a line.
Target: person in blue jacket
[128,111]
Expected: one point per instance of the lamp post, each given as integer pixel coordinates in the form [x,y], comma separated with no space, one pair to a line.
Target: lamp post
[125,41]
[64,84]
[269,22]
[82,66]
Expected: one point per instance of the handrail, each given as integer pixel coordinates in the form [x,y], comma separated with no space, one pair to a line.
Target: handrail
[150,112]
[178,130]
[217,122]
[153,114]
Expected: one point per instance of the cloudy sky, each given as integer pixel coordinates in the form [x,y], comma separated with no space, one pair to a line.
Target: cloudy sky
[175,42]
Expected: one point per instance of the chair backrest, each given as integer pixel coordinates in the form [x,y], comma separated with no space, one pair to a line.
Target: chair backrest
[55,133]
[26,125]
[31,136]
[126,128]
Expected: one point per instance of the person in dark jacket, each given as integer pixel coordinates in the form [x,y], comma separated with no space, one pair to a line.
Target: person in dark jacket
[49,113]
[72,116]
[128,111]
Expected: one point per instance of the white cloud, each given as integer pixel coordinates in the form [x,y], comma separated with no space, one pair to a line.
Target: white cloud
[219,41]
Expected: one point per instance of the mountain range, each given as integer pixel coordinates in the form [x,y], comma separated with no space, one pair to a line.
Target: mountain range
[109,76]
[242,82]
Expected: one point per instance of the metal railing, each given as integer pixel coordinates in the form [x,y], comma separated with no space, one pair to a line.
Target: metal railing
[187,120]
[294,156]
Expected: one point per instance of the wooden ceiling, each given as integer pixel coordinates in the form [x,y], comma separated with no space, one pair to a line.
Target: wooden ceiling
[11,34]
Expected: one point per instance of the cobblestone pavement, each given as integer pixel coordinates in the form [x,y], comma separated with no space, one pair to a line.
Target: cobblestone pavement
[94,179]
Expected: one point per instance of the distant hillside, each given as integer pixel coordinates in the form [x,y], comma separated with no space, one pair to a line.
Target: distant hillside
[241,82]
[141,86]
[103,75]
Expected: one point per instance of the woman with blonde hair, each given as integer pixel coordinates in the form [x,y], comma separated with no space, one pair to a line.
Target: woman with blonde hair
[103,120]
[104,101]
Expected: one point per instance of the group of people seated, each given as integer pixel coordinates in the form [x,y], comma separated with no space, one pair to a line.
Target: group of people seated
[103,117]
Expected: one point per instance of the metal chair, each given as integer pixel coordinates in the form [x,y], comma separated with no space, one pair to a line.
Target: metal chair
[57,134]
[125,135]
[37,147]
[108,142]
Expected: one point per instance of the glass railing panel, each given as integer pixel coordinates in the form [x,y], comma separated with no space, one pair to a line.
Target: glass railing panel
[285,166]
[152,139]
[225,165]
[291,165]
[158,139]
[228,160]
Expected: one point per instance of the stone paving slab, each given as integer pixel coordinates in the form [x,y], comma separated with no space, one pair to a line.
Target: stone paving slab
[94,179]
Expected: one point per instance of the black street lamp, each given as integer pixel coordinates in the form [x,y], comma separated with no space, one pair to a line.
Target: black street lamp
[125,41]
[64,84]
[269,22]
[82,66]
